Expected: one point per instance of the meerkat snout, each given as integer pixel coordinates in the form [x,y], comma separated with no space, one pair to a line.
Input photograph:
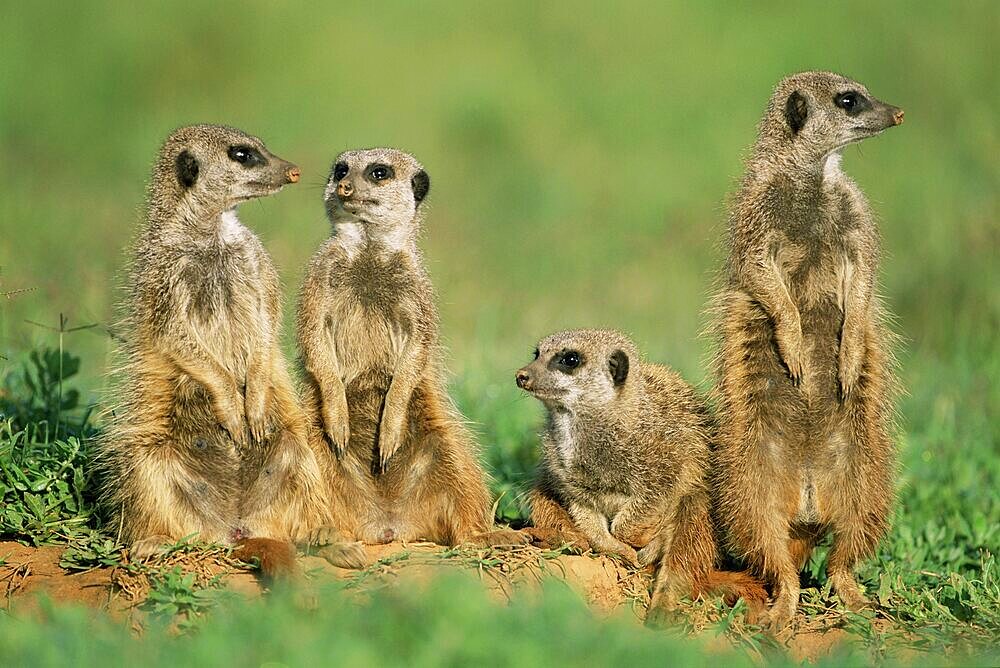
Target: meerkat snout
[345,189]
[293,173]
[523,379]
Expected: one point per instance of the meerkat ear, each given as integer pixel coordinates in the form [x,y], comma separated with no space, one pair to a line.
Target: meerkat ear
[187,169]
[618,364]
[796,111]
[421,183]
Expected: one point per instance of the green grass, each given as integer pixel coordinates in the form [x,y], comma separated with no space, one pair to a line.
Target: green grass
[452,623]
[579,160]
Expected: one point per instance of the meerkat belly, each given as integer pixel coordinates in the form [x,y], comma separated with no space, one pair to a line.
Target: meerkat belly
[367,342]
[599,488]
[820,477]
[806,508]
[199,463]
[228,310]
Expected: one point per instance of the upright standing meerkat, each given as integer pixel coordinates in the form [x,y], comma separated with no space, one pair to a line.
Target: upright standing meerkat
[624,463]
[405,467]
[805,377]
[208,438]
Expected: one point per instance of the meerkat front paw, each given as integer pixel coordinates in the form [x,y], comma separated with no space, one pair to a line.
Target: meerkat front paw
[389,439]
[791,347]
[229,411]
[255,407]
[336,425]
[234,424]
[849,370]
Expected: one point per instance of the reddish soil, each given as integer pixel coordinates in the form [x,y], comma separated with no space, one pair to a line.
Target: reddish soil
[602,582]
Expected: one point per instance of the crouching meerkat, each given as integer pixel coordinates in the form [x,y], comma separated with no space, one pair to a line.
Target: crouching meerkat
[804,369]
[404,466]
[625,452]
[208,438]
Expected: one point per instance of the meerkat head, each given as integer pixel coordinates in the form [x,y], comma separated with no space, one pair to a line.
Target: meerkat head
[381,188]
[219,166]
[580,368]
[818,113]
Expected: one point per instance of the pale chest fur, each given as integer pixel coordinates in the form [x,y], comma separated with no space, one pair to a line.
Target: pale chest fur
[222,288]
[818,261]
[585,473]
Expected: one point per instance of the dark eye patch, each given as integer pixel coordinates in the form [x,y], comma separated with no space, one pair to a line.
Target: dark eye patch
[568,361]
[379,172]
[852,102]
[247,156]
[340,171]
[536,353]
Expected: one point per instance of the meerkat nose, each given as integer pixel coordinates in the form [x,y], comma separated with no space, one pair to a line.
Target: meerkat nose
[897,117]
[344,189]
[523,379]
[293,174]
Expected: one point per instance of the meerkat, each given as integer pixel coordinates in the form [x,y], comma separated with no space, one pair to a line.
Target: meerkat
[208,438]
[404,466]
[804,365]
[625,452]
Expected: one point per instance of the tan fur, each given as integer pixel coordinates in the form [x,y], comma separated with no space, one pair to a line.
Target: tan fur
[404,467]
[208,439]
[275,558]
[804,367]
[624,463]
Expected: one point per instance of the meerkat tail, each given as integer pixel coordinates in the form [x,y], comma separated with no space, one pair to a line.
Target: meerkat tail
[734,585]
[275,557]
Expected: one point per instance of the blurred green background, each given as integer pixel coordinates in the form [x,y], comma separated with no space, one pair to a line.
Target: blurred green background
[580,156]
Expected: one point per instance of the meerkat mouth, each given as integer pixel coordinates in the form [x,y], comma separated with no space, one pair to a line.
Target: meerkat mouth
[866,130]
[542,395]
[260,189]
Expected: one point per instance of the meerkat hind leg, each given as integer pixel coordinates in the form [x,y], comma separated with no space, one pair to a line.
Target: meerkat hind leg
[595,527]
[552,527]
[150,546]
[848,549]
[333,545]
[502,538]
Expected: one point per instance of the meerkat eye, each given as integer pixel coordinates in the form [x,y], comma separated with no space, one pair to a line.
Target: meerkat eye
[378,173]
[340,171]
[570,360]
[851,102]
[536,353]
[246,156]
